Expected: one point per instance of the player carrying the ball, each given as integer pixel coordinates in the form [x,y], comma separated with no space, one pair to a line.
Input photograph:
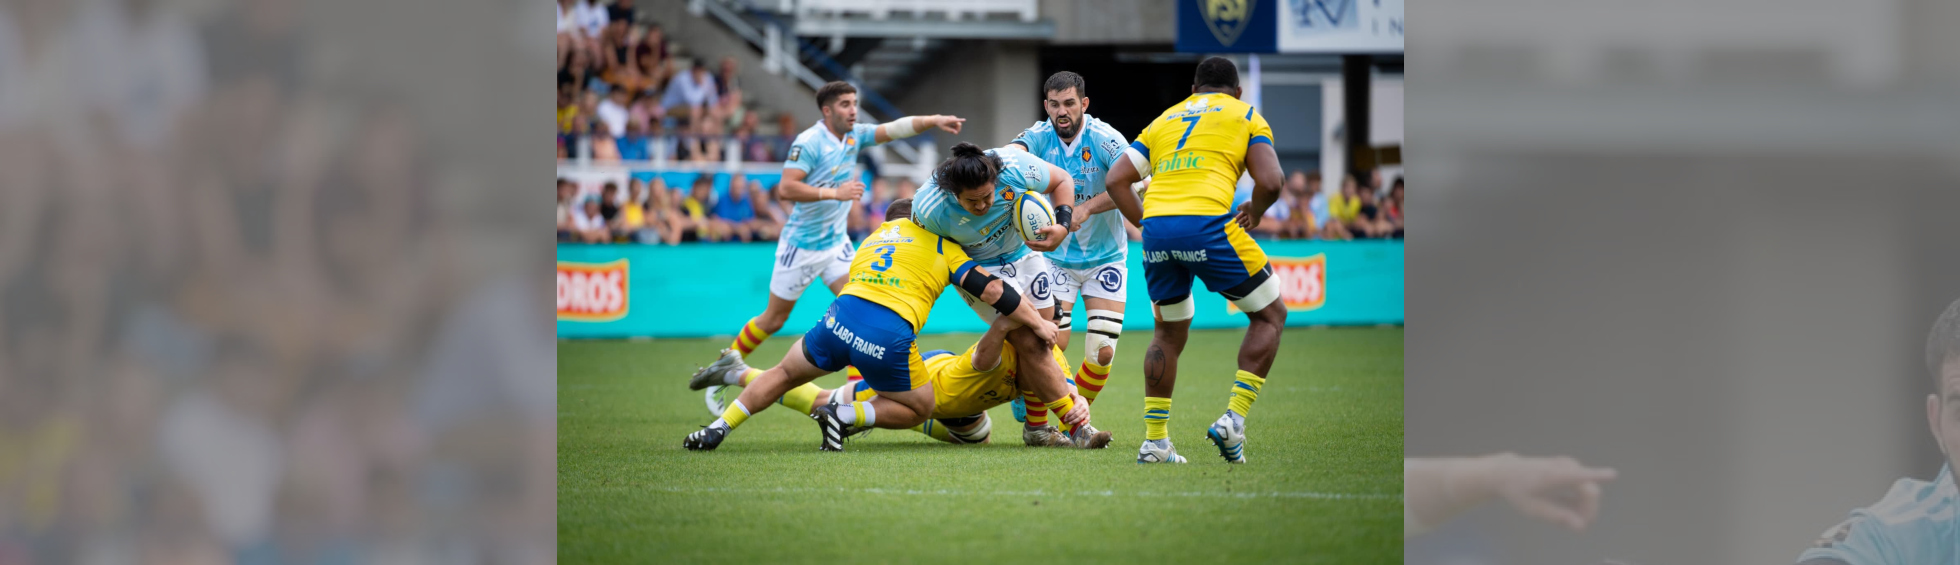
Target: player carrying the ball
[971,200]
[1195,153]
[1091,261]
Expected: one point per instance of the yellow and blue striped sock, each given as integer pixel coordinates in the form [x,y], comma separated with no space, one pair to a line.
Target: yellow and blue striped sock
[750,337]
[937,430]
[1156,418]
[1244,391]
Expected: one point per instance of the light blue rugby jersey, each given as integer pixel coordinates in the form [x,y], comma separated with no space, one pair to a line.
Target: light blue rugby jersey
[990,240]
[1914,523]
[1088,161]
[829,162]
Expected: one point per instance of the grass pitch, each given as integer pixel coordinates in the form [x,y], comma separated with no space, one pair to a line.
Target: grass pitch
[1323,484]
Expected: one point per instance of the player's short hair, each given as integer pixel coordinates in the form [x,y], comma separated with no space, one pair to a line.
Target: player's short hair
[1063,81]
[1217,72]
[968,168]
[1943,343]
[833,89]
[899,209]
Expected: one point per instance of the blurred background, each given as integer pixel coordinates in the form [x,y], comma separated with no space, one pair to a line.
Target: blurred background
[1700,242]
[267,293]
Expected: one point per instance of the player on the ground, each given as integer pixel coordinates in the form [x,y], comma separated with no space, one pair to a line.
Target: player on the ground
[1916,521]
[964,387]
[896,276]
[821,178]
[1091,260]
[970,201]
[1196,151]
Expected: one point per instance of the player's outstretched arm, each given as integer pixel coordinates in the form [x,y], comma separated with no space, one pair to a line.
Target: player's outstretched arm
[1098,204]
[914,125]
[793,189]
[1263,163]
[1117,185]
[1554,489]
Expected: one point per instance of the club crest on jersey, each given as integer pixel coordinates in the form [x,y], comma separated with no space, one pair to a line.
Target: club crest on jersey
[1197,105]
[795,152]
[1008,194]
[1085,154]
[1226,18]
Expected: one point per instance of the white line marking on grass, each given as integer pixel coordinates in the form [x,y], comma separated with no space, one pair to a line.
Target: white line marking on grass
[1033,493]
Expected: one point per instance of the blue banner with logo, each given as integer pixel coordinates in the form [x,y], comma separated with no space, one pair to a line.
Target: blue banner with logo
[709,289]
[1228,26]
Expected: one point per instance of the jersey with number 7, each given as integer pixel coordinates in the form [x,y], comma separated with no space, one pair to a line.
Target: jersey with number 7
[1196,151]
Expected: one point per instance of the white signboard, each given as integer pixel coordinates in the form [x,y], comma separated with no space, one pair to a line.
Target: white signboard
[1340,26]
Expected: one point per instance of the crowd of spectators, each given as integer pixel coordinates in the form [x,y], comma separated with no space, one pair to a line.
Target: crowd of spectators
[1361,209]
[625,94]
[651,212]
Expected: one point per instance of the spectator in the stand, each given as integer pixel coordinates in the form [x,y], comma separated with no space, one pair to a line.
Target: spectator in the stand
[753,147]
[768,216]
[1361,216]
[869,211]
[663,215]
[1319,207]
[589,223]
[605,149]
[735,213]
[1279,217]
[566,194]
[785,135]
[612,111]
[1393,208]
[631,220]
[1345,208]
[725,78]
[567,32]
[906,188]
[622,11]
[650,54]
[615,51]
[709,139]
[697,204]
[692,93]
[591,19]
[633,145]
[609,201]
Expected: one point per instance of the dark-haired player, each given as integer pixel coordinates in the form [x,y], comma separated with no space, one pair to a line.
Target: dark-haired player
[1092,260]
[820,177]
[969,200]
[1194,154]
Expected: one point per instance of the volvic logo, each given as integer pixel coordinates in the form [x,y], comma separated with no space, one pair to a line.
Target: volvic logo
[1226,18]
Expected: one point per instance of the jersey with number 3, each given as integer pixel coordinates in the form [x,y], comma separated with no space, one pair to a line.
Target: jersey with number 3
[829,162]
[904,267]
[1195,153]
[1087,160]
[991,238]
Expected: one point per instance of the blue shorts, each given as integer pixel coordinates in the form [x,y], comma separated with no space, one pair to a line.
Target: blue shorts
[1213,248]
[863,334]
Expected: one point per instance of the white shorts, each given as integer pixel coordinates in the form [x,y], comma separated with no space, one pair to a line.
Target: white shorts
[796,267]
[1108,281]
[1032,276]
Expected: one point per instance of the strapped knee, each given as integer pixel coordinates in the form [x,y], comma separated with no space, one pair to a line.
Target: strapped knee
[1105,326]
[1176,311]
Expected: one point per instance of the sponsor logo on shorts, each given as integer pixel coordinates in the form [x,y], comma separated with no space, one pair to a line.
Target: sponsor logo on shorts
[592,292]
[1196,256]
[1111,279]
[858,343]
[1039,288]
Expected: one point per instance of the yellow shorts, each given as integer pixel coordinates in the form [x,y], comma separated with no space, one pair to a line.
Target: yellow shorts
[960,391]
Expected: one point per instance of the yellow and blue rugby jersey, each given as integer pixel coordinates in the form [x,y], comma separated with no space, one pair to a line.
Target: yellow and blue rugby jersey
[904,267]
[1196,152]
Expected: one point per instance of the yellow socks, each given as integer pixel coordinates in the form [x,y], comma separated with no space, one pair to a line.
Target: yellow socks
[1156,418]
[801,399]
[1244,391]
[735,414]
[937,430]
[750,376]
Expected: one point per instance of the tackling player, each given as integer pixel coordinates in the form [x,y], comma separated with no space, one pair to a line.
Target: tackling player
[896,276]
[970,200]
[1196,151]
[820,177]
[1091,261]
[964,387]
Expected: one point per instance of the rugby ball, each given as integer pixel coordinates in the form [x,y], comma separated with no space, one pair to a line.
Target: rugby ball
[1031,213]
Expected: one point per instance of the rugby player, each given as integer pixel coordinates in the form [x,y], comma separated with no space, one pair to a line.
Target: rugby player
[896,276]
[1091,261]
[1195,153]
[970,200]
[1916,521]
[821,178]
